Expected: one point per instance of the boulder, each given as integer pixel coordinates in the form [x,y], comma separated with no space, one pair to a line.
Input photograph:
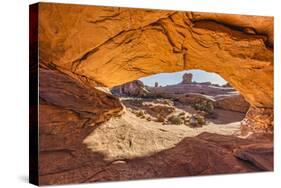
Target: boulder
[259,119]
[235,103]
[134,89]
[257,154]
[193,98]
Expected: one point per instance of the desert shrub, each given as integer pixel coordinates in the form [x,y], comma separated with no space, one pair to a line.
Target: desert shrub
[196,106]
[176,120]
[209,108]
[206,106]
[148,118]
[140,114]
[201,120]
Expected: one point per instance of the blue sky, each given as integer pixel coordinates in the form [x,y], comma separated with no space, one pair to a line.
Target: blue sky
[173,78]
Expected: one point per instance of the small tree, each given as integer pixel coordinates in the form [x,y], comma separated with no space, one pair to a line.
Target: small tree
[209,108]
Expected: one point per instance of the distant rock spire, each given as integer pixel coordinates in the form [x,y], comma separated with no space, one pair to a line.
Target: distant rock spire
[156,84]
[187,78]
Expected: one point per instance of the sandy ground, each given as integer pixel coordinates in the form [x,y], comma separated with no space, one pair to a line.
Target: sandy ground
[129,136]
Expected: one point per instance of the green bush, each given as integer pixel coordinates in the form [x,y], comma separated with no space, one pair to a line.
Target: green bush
[209,108]
[140,114]
[206,106]
[176,120]
[201,120]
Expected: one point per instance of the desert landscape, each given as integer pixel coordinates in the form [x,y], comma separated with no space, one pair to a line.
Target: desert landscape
[157,118]
[99,121]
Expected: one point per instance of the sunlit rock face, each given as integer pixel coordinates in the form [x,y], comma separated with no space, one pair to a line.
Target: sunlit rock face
[259,119]
[117,45]
[235,103]
[135,89]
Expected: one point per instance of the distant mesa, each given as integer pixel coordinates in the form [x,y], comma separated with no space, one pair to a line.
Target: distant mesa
[207,83]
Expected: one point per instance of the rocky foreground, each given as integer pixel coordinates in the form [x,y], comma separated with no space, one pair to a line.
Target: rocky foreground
[72,115]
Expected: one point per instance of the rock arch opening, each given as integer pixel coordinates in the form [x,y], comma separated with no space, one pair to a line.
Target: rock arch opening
[162,109]
[113,52]
[186,88]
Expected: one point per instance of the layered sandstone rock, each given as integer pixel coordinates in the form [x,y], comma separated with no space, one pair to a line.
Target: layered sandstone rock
[201,155]
[259,119]
[193,88]
[191,93]
[85,47]
[193,98]
[234,103]
[135,89]
[69,111]
[257,154]
[117,45]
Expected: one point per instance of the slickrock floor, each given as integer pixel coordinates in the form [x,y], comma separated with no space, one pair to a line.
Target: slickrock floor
[129,136]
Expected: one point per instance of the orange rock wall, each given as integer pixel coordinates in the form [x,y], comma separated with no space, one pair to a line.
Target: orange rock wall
[116,45]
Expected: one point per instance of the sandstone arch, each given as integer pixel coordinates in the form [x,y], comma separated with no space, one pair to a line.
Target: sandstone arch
[112,46]
[82,47]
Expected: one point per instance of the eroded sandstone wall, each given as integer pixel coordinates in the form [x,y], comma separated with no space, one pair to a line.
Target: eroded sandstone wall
[69,110]
[117,45]
[109,46]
